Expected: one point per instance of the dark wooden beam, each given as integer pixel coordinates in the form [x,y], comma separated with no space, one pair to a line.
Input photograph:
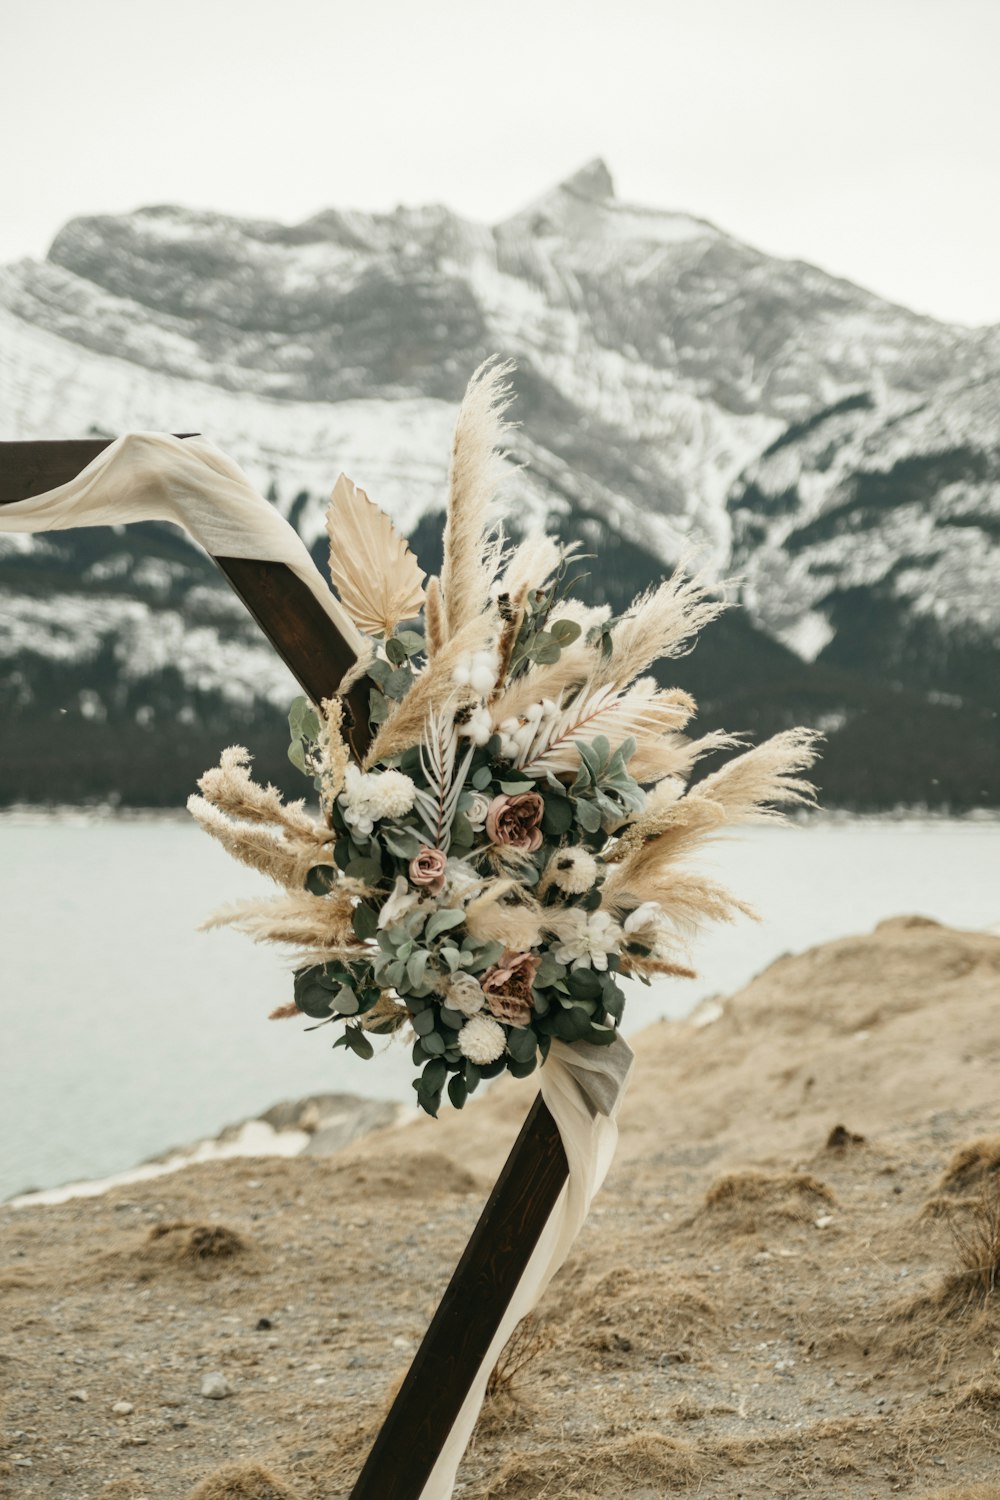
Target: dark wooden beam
[469,1314]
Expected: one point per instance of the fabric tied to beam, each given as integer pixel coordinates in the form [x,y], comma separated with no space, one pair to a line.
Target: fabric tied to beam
[152,476]
[583,1087]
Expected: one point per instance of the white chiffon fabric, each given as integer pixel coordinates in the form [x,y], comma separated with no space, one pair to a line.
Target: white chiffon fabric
[583,1087]
[150,476]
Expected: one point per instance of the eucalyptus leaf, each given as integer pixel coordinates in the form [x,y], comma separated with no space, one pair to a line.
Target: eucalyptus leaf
[395,651]
[367,870]
[434,1043]
[320,880]
[443,921]
[404,843]
[364,922]
[458,1090]
[482,778]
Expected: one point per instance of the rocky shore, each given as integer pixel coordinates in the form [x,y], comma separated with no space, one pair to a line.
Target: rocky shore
[790,1285]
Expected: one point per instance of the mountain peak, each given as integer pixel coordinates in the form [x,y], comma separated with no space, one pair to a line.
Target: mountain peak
[593,180]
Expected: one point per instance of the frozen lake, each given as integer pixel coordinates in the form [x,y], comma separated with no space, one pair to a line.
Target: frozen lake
[126,1031]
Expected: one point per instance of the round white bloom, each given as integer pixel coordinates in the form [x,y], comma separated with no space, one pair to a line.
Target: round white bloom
[464,993]
[478,727]
[586,939]
[573,870]
[390,794]
[482,1040]
[479,806]
[369,796]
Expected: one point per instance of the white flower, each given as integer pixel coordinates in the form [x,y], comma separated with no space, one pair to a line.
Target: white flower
[390,794]
[573,870]
[586,939]
[482,1040]
[459,877]
[644,921]
[479,806]
[463,992]
[399,903]
[369,796]
[478,727]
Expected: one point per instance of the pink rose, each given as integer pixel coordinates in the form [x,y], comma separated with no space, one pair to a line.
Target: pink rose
[515,821]
[427,869]
[507,987]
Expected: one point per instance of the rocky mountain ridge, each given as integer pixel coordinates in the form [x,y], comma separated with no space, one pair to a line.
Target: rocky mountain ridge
[680,393]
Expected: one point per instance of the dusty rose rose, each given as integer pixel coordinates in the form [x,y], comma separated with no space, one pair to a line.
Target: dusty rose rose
[427,869]
[507,987]
[515,821]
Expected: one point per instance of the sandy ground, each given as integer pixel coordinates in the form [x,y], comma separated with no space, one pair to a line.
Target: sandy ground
[752,1310]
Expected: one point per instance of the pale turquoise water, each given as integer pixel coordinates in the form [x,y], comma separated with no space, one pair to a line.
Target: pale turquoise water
[125,1031]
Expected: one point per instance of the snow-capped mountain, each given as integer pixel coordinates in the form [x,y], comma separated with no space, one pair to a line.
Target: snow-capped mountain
[681,394]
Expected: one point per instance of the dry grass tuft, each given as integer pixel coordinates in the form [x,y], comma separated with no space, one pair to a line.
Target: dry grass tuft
[504,1403]
[585,1471]
[972,1166]
[180,1246]
[185,1242]
[840,1138]
[976,1235]
[748,1201]
[243,1482]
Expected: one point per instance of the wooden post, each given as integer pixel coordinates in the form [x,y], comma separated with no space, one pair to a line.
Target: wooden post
[479,1293]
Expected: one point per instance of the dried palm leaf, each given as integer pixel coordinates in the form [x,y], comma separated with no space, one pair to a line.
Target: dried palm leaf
[374,572]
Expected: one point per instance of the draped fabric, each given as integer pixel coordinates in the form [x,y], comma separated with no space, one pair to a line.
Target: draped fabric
[583,1087]
[151,476]
[155,477]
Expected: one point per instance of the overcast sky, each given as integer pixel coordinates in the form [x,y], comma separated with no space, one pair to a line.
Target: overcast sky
[863,135]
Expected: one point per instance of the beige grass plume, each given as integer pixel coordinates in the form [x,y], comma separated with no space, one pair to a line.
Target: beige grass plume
[230,788]
[472,552]
[755,786]
[374,572]
[663,623]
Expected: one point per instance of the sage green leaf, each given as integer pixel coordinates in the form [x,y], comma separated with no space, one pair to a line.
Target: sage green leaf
[364,921]
[368,870]
[458,1090]
[588,815]
[482,778]
[434,1043]
[395,651]
[402,842]
[320,880]
[423,1022]
[558,816]
[415,966]
[565,631]
[443,921]
[521,1043]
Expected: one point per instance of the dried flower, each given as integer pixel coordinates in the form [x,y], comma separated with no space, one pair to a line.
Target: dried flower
[481,1040]
[464,993]
[587,939]
[400,901]
[479,806]
[573,870]
[507,987]
[368,797]
[516,821]
[645,921]
[428,869]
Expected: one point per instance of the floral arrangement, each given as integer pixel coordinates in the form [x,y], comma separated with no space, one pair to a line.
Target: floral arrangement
[517,839]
